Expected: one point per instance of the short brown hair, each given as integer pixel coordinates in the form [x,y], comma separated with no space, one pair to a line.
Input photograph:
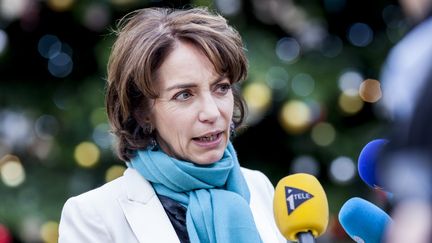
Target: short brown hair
[144,39]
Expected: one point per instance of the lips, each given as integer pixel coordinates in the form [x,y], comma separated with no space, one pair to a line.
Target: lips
[208,138]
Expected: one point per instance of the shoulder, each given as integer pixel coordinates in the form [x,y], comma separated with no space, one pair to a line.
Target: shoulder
[108,191]
[131,186]
[82,218]
[97,215]
[89,206]
[251,173]
[256,177]
[258,183]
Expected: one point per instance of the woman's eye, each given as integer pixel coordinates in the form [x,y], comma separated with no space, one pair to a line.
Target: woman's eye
[223,88]
[183,95]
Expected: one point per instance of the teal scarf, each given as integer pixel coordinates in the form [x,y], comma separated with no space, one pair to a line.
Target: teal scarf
[216,196]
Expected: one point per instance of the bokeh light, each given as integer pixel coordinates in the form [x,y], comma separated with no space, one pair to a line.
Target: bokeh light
[60,5]
[288,50]
[96,16]
[80,181]
[350,102]
[49,232]
[350,80]
[258,97]
[342,170]
[392,16]
[316,110]
[59,54]
[303,84]
[66,48]
[5,235]
[15,129]
[305,164]
[323,134]
[3,41]
[360,34]
[114,172]
[42,149]
[295,116]
[98,116]
[46,127]
[86,154]
[228,7]
[30,228]
[63,98]
[11,171]
[277,78]
[12,9]
[332,46]
[60,65]
[49,46]
[312,34]
[102,137]
[370,90]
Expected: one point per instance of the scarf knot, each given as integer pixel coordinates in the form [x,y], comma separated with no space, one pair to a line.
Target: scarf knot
[216,196]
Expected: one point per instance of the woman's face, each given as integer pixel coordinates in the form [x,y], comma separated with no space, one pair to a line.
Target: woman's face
[193,113]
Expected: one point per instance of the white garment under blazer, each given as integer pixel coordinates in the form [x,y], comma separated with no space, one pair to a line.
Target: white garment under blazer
[127,210]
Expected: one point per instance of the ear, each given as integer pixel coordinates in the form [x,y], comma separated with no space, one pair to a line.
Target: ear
[141,118]
[143,112]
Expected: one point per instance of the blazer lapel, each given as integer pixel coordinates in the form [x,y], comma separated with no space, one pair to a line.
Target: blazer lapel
[144,212]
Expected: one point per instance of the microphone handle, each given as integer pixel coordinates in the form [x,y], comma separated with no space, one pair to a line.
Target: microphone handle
[305,237]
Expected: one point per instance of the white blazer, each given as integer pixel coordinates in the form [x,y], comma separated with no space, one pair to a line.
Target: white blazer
[127,210]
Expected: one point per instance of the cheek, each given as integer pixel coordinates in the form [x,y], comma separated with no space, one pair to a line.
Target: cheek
[227,106]
[162,120]
[173,123]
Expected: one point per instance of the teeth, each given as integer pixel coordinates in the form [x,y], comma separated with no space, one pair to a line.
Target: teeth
[208,138]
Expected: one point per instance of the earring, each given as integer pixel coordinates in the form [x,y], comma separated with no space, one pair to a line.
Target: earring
[232,130]
[148,128]
[152,144]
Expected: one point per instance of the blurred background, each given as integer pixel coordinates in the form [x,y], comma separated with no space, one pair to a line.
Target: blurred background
[313,94]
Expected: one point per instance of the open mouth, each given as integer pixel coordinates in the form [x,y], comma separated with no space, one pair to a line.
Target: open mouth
[208,138]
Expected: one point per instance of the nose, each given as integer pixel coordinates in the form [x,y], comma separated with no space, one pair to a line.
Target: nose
[209,110]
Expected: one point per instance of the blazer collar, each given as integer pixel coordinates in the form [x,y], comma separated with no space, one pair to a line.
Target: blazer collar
[137,188]
[144,212]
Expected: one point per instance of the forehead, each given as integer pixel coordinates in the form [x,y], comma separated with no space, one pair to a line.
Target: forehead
[186,63]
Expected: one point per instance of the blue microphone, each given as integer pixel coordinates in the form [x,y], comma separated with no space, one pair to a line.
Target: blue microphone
[368,162]
[363,221]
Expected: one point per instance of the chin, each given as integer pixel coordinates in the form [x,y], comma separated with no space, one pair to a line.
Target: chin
[209,159]
[210,156]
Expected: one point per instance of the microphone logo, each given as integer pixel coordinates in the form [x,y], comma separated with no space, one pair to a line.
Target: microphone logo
[295,197]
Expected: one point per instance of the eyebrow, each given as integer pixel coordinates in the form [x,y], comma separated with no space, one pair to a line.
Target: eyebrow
[192,85]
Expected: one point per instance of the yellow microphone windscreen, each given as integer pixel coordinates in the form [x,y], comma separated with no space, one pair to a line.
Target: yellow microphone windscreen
[300,205]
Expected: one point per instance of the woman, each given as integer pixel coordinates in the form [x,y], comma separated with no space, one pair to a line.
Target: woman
[172,105]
